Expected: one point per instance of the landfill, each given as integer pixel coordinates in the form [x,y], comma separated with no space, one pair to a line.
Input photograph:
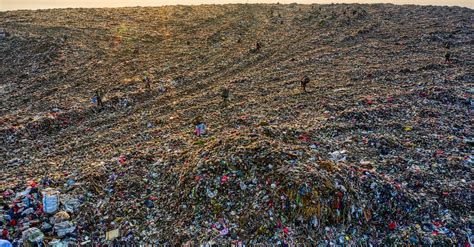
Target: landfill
[240,124]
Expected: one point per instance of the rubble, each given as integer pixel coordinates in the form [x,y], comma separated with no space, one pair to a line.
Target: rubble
[375,150]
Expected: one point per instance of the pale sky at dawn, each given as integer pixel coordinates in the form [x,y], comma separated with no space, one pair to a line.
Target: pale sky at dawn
[42,4]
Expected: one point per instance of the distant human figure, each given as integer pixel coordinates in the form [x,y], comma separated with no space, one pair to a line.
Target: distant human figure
[258,47]
[225,94]
[200,128]
[146,79]
[98,96]
[447,57]
[304,82]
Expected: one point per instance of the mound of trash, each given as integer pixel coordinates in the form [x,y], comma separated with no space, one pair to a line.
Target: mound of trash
[237,125]
[269,192]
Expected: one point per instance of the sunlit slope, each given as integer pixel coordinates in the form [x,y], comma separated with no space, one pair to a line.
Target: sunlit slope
[378,81]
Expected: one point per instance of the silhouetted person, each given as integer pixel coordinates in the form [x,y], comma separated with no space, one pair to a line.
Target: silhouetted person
[258,47]
[98,96]
[147,81]
[225,94]
[447,57]
[304,83]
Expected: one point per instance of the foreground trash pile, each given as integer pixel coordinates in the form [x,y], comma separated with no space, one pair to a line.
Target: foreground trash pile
[237,125]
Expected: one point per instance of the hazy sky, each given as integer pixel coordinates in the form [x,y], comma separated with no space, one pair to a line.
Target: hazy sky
[41,4]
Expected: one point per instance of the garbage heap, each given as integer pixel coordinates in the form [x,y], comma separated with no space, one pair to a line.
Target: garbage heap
[376,150]
[33,216]
[254,187]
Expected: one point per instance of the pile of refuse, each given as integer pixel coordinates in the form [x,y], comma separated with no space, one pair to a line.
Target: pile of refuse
[292,124]
[39,213]
[270,193]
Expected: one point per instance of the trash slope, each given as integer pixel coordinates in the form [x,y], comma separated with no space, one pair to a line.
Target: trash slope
[379,150]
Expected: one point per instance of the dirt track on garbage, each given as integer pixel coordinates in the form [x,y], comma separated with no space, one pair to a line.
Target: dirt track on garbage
[380,89]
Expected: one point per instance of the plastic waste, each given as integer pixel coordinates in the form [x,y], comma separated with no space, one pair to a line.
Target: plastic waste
[63,228]
[113,234]
[32,237]
[50,200]
[338,156]
[5,243]
[59,217]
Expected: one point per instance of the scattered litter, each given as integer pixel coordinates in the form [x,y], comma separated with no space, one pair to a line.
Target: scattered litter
[376,152]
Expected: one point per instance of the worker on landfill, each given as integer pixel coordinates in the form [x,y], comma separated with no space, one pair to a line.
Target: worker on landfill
[98,96]
[304,82]
[146,79]
[447,57]
[200,128]
[225,94]
[258,47]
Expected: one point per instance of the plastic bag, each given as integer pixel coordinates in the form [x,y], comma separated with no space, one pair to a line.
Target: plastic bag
[50,201]
[64,228]
[32,236]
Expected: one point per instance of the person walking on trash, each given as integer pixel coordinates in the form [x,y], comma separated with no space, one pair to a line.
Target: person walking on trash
[447,55]
[200,128]
[304,83]
[225,95]
[97,98]
[146,79]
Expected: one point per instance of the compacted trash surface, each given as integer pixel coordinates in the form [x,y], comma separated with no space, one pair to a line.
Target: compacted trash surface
[341,125]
